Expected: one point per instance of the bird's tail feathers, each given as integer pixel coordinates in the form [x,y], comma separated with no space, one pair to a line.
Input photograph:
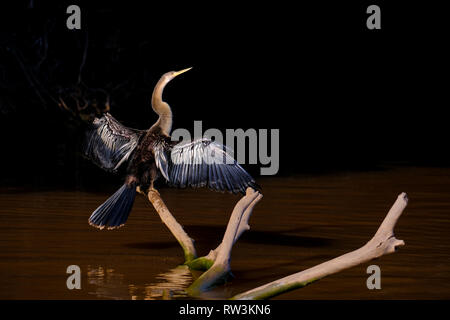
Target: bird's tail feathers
[114,212]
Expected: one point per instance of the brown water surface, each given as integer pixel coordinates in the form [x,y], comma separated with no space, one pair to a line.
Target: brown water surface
[300,222]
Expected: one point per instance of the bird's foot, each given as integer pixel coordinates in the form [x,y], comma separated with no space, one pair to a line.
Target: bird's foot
[153,190]
[138,189]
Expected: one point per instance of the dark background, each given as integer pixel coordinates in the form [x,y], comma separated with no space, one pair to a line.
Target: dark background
[343,97]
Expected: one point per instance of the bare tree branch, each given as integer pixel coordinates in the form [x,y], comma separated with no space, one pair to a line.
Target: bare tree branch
[384,242]
[204,263]
[237,224]
[177,230]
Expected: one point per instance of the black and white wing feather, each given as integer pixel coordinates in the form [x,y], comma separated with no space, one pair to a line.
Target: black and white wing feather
[204,163]
[109,144]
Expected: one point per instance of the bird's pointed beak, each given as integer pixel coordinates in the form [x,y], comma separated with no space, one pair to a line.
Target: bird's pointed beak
[181,71]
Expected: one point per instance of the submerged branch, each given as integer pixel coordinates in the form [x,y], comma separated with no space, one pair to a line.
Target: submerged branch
[218,260]
[383,242]
[204,263]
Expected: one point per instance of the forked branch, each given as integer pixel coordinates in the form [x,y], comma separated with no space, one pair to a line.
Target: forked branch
[383,242]
[221,256]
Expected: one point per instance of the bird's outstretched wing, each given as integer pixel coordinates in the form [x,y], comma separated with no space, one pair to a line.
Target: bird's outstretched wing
[204,163]
[108,143]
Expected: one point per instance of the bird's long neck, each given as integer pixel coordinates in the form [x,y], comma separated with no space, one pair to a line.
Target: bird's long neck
[161,108]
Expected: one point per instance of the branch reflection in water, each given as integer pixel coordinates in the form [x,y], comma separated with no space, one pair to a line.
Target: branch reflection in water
[109,284]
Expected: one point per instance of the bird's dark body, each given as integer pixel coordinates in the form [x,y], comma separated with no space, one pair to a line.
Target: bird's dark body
[142,169]
[151,154]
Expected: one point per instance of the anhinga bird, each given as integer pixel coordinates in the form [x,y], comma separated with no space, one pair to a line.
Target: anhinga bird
[151,153]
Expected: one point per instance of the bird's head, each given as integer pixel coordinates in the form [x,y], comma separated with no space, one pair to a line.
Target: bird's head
[172,74]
